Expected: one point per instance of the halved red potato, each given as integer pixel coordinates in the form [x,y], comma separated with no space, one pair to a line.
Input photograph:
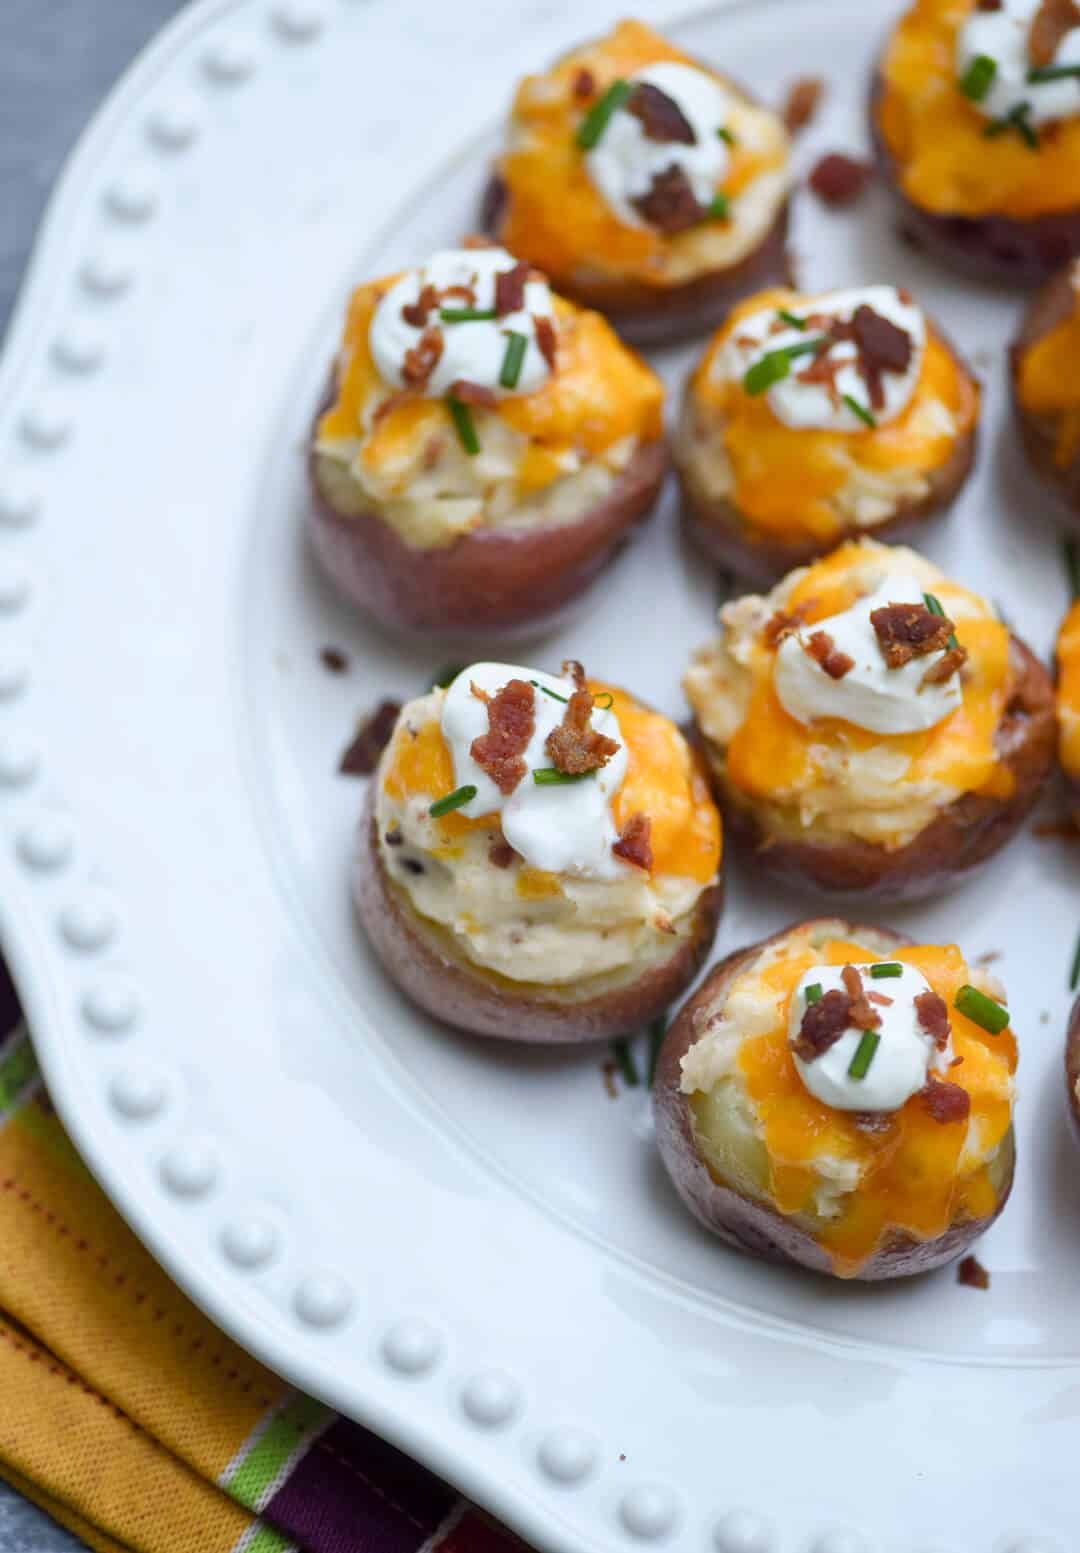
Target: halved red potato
[483,939]
[843,808]
[1046,386]
[771,1169]
[1000,206]
[431,536]
[1068,707]
[761,496]
[662,267]
[1072,1064]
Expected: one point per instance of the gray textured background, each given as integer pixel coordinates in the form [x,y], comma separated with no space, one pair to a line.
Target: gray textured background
[57,60]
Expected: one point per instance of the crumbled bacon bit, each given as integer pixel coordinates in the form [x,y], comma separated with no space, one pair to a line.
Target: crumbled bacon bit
[478,240]
[989,5]
[823,650]
[584,84]
[635,842]
[972,1274]
[782,624]
[501,854]
[933,1014]
[545,338]
[882,347]
[510,289]
[838,179]
[1050,24]
[416,313]
[459,292]
[802,103]
[372,737]
[393,836]
[945,1102]
[945,667]
[905,295]
[906,631]
[473,393]
[511,720]
[822,1025]
[660,116]
[862,1016]
[671,203]
[880,999]
[575,747]
[422,358]
[334,659]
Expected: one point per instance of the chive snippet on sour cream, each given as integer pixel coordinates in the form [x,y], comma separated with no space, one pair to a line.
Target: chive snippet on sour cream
[599,115]
[859,1065]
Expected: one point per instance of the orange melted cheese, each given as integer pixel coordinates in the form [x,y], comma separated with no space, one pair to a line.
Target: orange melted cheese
[599,393]
[1048,382]
[936,136]
[554,216]
[664,780]
[910,1178]
[785,476]
[1068,655]
[772,754]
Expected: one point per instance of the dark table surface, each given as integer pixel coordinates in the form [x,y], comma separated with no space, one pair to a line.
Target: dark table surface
[58,58]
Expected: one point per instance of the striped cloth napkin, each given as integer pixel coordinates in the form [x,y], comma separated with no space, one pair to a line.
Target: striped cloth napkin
[126,1415]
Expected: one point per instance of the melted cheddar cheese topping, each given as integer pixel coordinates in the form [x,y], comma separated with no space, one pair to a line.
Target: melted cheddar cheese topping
[937,136]
[1048,380]
[917,1176]
[1068,656]
[786,479]
[554,215]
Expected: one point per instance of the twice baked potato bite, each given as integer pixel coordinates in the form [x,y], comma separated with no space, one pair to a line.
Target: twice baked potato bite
[1046,385]
[812,419]
[644,183]
[483,450]
[871,727]
[539,858]
[840,1098]
[1068,660]
[975,113]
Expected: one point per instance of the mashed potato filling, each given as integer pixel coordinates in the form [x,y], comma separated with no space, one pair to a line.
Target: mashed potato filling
[1068,654]
[801,482]
[761,1131]
[831,780]
[527,924]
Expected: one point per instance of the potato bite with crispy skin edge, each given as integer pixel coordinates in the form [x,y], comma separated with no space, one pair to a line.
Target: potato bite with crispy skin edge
[783,451]
[982,182]
[515,888]
[1068,707]
[1046,386]
[483,450]
[645,183]
[1072,1064]
[858,763]
[771,1168]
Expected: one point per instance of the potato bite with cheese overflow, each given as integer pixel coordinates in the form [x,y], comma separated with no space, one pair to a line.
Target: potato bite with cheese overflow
[1046,387]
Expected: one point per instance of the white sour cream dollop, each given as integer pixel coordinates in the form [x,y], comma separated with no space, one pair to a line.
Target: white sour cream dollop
[567,828]
[870,695]
[474,350]
[624,161]
[1003,37]
[807,406]
[904,1056]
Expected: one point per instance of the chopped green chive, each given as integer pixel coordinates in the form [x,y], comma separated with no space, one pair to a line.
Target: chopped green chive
[726,135]
[465,315]
[813,993]
[718,208]
[792,318]
[889,968]
[1053,73]
[775,365]
[464,425]
[657,1031]
[550,776]
[1074,974]
[510,371]
[624,1060]
[605,700]
[860,410]
[978,78]
[554,694]
[933,604]
[447,675]
[596,120]
[869,1042]
[454,800]
[981,1010]
[1017,119]
[1072,565]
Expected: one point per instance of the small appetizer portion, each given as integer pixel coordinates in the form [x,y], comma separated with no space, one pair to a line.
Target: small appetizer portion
[645,184]
[483,450]
[1046,385]
[975,113]
[1068,658]
[1072,1063]
[539,857]
[872,728]
[811,419]
[840,1098]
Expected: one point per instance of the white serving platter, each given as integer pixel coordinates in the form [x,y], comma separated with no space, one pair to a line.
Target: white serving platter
[472,1250]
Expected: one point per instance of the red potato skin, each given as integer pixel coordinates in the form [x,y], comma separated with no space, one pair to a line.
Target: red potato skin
[751,1225]
[997,249]
[658,315]
[1072,1064]
[421,958]
[718,528]
[1050,306]
[964,835]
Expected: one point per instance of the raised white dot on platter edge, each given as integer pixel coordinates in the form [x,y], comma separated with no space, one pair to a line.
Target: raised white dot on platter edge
[411,1347]
[45,843]
[491,1399]
[173,128]
[322,1299]
[14,591]
[14,676]
[105,276]
[297,22]
[137,1095]
[131,199]
[77,351]
[648,1511]
[840,1540]
[19,761]
[111,1005]
[189,1168]
[567,1455]
[1033,1545]
[229,64]
[18,508]
[87,924]
[741,1531]
[45,427]
[249,1242]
